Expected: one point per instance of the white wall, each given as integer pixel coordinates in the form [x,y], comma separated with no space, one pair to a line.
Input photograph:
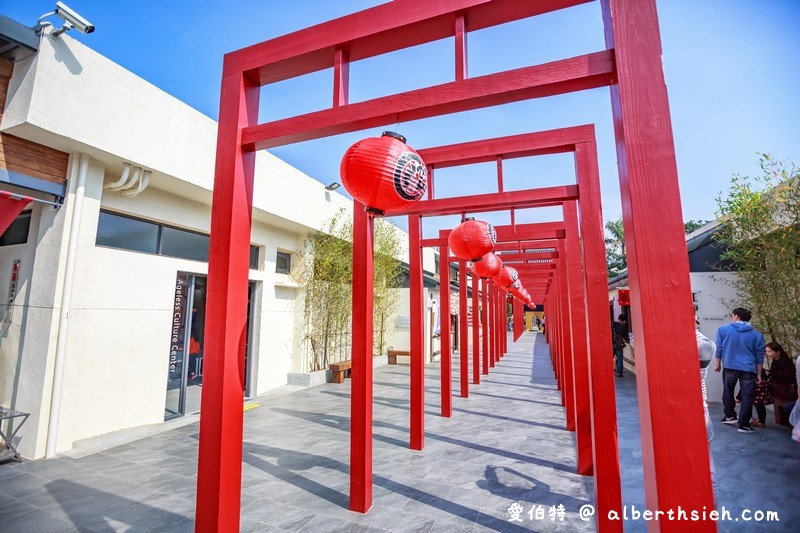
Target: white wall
[715,297]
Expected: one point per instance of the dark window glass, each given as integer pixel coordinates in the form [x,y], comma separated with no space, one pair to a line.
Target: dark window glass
[128,233]
[184,244]
[283,263]
[17,232]
[253,257]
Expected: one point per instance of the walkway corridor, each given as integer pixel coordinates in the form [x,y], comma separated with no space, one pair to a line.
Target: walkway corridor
[505,444]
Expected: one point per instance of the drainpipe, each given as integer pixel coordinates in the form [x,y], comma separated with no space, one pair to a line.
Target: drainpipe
[66,306]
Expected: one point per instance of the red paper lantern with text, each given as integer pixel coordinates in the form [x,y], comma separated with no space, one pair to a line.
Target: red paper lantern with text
[506,277]
[488,267]
[472,239]
[384,173]
[514,287]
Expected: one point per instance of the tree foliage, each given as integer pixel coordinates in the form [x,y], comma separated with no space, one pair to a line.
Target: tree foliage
[692,225]
[616,260]
[615,248]
[325,273]
[760,234]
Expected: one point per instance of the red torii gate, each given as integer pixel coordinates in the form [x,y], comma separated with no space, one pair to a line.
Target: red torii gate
[631,66]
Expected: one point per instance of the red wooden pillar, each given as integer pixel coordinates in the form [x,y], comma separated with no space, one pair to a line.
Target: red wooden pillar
[219,464]
[607,485]
[549,314]
[504,338]
[463,329]
[554,338]
[445,359]
[485,323]
[476,332]
[361,374]
[501,323]
[492,331]
[498,327]
[566,338]
[417,407]
[579,347]
[658,268]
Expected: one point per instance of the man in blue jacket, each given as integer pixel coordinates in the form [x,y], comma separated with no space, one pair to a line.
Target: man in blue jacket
[740,350]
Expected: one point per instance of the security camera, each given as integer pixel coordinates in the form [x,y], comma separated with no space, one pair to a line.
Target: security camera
[71,20]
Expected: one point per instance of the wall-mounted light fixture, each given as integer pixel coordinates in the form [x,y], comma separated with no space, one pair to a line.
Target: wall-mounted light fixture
[333,186]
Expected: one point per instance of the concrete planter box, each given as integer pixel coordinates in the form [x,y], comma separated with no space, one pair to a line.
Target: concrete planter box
[309,379]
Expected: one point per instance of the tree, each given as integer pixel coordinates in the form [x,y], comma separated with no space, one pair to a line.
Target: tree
[388,277]
[692,225]
[324,273]
[615,248]
[760,233]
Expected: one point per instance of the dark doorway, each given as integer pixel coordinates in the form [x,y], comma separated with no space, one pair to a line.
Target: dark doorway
[185,375]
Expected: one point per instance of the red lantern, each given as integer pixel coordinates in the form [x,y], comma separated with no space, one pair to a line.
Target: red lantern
[624,297]
[514,287]
[506,277]
[472,239]
[384,173]
[488,267]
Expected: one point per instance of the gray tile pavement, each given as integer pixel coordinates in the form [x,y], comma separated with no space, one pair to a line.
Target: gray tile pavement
[505,444]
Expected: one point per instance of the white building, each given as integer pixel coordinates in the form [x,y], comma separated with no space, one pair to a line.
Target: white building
[139,255]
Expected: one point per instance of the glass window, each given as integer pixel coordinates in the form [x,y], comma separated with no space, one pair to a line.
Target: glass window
[118,231]
[17,231]
[253,257]
[283,263]
[185,244]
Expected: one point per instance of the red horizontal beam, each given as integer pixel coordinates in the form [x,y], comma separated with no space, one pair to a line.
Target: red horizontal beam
[433,242]
[537,267]
[513,146]
[508,232]
[532,256]
[528,269]
[375,31]
[527,245]
[558,77]
[498,201]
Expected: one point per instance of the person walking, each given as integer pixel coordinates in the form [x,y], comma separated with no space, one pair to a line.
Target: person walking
[619,330]
[740,350]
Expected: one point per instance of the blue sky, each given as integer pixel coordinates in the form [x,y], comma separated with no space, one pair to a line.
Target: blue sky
[731,68]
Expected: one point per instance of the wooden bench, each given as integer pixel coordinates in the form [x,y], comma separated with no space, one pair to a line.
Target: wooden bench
[340,370]
[394,353]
